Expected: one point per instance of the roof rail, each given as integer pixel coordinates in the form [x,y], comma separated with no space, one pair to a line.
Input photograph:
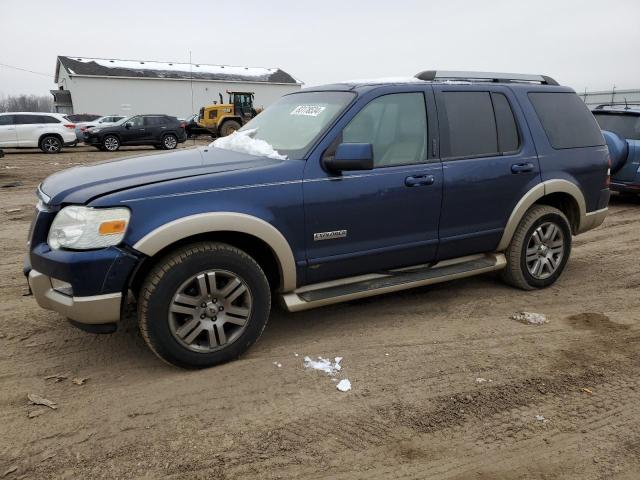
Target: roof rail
[485,77]
[624,104]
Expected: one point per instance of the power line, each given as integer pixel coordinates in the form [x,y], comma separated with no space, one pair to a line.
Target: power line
[25,70]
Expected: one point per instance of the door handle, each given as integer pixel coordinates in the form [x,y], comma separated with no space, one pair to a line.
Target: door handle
[419,180]
[522,167]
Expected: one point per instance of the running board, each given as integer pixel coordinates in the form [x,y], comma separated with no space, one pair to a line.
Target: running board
[343,290]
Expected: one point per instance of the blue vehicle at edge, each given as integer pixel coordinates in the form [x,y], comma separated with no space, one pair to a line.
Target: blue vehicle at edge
[621,127]
[331,194]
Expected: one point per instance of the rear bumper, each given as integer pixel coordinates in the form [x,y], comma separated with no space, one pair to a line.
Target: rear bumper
[593,219]
[96,309]
[625,187]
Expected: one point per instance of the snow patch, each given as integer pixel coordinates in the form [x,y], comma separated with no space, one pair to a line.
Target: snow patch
[243,142]
[540,418]
[324,364]
[277,364]
[529,318]
[344,385]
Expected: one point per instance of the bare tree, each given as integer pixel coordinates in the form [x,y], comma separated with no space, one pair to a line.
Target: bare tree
[26,103]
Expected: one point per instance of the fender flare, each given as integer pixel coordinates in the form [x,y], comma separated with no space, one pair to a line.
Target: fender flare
[181,228]
[535,194]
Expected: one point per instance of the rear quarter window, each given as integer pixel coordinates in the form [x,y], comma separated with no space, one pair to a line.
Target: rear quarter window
[566,120]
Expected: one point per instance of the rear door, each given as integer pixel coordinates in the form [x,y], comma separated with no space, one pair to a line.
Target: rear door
[154,127]
[8,137]
[29,128]
[489,162]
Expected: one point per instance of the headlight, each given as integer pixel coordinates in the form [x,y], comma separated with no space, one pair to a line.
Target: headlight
[85,228]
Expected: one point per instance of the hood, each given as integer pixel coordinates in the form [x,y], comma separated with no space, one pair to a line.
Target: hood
[82,184]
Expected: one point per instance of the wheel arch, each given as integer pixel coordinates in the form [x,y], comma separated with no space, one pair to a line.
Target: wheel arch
[251,234]
[562,194]
[51,134]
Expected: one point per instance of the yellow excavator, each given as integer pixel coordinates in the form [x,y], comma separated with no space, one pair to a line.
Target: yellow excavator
[222,119]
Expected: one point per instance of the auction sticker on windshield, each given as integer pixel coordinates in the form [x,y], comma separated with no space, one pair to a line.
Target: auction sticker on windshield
[308,110]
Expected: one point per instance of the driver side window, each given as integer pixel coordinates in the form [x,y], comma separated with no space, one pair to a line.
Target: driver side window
[395,125]
[136,121]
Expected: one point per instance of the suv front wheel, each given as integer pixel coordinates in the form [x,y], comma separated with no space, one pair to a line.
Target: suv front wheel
[539,249]
[111,143]
[203,304]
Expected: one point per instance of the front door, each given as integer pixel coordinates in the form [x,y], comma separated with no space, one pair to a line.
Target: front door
[367,221]
[136,131]
[29,128]
[8,137]
[489,162]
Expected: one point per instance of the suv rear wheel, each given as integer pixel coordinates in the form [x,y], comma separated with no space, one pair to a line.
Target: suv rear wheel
[203,304]
[169,141]
[111,143]
[51,144]
[539,249]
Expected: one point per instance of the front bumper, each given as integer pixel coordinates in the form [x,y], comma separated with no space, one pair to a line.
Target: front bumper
[96,309]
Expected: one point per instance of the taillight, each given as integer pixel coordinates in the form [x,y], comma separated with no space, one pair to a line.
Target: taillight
[607,182]
[183,124]
[70,125]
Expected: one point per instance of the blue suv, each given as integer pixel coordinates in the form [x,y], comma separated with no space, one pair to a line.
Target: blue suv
[621,126]
[333,193]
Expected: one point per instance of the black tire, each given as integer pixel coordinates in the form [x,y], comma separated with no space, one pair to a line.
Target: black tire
[111,143]
[169,141]
[517,272]
[166,280]
[229,127]
[51,144]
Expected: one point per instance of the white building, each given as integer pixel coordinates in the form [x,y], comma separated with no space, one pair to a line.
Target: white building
[130,87]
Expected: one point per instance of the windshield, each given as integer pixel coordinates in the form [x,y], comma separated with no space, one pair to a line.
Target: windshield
[123,121]
[293,123]
[624,124]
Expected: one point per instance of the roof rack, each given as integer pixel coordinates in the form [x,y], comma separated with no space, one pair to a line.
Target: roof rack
[485,77]
[624,104]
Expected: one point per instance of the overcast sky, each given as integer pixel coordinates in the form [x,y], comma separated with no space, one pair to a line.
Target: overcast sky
[582,43]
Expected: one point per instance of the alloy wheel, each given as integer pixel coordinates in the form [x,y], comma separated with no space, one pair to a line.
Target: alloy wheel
[545,250]
[111,143]
[51,145]
[170,142]
[210,310]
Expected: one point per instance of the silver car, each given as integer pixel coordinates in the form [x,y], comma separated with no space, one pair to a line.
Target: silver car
[102,121]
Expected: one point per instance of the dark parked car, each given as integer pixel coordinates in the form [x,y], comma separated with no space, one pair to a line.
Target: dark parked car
[161,131]
[333,193]
[621,128]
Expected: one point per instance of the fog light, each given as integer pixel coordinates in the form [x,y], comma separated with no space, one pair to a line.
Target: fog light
[62,287]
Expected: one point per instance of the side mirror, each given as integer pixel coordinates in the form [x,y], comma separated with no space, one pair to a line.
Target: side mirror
[127,125]
[351,156]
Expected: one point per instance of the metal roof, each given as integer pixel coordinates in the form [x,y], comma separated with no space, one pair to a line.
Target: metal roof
[102,67]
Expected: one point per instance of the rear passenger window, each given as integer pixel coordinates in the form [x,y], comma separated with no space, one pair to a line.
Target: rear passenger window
[25,119]
[46,119]
[566,120]
[396,127]
[508,140]
[6,119]
[471,125]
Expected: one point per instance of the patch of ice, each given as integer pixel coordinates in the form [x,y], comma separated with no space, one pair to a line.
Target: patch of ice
[323,364]
[243,142]
[344,385]
[529,318]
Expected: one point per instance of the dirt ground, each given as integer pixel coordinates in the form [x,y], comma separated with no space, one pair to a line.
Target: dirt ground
[560,400]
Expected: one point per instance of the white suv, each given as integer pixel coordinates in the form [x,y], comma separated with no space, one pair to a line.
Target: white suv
[47,131]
